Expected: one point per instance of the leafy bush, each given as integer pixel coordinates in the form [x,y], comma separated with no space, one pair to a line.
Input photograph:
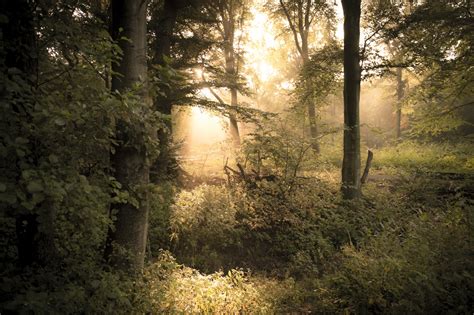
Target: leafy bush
[417,262]
[283,227]
[159,233]
[203,227]
[176,289]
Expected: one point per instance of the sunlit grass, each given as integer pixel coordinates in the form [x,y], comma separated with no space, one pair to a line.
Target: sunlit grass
[431,157]
[177,289]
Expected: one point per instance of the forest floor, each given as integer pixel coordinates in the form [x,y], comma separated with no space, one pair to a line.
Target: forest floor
[416,222]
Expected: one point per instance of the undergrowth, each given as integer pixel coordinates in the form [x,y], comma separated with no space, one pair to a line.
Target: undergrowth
[402,249]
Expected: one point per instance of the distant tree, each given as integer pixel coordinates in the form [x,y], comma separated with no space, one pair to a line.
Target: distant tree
[352,77]
[437,38]
[231,15]
[301,16]
[433,41]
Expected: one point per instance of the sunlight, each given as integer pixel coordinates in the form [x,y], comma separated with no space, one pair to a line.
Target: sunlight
[261,40]
[265,70]
[205,128]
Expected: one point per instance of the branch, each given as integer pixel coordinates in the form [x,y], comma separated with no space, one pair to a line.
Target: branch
[218,98]
[293,29]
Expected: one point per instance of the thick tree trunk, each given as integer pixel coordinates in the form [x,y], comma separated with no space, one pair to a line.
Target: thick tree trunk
[233,123]
[351,160]
[234,126]
[400,92]
[127,241]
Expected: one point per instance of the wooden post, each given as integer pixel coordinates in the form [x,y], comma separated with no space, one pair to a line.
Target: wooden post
[370,156]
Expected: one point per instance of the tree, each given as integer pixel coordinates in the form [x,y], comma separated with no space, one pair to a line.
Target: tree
[127,241]
[231,14]
[445,93]
[431,40]
[163,24]
[19,53]
[400,94]
[352,77]
[300,15]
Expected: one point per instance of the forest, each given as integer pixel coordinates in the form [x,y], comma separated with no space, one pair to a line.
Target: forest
[236,157]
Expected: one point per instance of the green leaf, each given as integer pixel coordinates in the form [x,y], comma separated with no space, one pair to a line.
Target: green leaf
[3,19]
[34,187]
[20,140]
[53,159]
[8,198]
[3,187]
[60,121]
[20,153]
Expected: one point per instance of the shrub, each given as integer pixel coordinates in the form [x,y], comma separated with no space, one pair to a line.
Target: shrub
[419,265]
[176,289]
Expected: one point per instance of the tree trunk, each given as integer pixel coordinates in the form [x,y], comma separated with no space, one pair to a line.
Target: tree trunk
[234,126]
[127,241]
[311,107]
[163,166]
[230,68]
[400,92]
[351,160]
[313,126]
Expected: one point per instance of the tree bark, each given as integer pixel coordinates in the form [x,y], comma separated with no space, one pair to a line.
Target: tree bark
[127,242]
[400,94]
[313,126]
[351,160]
[234,126]
[230,67]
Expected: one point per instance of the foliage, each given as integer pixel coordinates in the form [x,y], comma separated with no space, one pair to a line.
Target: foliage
[57,131]
[176,289]
[276,226]
[416,265]
[321,76]
[412,32]
[203,230]
[426,157]
[161,200]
